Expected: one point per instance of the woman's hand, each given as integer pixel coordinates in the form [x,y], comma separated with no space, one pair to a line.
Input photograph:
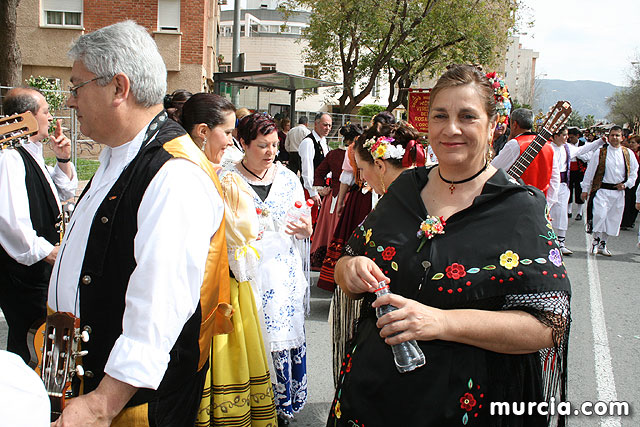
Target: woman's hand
[301,228]
[411,320]
[357,275]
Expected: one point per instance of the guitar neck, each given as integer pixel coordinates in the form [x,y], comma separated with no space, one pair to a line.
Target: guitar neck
[522,163]
[57,405]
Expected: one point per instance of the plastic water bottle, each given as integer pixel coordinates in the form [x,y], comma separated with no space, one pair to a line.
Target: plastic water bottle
[298,210]
[407,355]
[294,213]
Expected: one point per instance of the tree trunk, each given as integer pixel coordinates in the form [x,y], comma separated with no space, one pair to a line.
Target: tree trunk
[11,66]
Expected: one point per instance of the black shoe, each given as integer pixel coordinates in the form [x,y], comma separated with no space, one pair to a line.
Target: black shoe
[578,217]
[569,215]
[625,228]
[282,421]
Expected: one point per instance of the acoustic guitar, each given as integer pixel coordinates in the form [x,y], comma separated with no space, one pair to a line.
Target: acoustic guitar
[55,352]
[556,118]
[16,129]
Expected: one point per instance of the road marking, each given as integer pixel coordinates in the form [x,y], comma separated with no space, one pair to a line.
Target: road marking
[604,371]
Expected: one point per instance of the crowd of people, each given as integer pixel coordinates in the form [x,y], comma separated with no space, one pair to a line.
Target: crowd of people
[188,261]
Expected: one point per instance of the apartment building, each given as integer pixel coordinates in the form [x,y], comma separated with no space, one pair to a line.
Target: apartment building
[184,30]
[520,71]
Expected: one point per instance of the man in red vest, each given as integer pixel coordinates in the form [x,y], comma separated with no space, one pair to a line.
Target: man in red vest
[541,170]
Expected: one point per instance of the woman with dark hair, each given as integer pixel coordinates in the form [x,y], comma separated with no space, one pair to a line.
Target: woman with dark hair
[238,366]
[400,148]
[327,179]
[476,277]
[383,118]
[271,255]
[173,103]
[209,119]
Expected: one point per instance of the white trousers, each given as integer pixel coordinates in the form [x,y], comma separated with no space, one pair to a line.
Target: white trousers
[608,207]
[558,210]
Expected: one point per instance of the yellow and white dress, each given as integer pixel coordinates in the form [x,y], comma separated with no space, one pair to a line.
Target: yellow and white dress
[238,389]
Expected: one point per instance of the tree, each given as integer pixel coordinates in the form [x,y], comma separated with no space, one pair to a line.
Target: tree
[360,41]
[575,120]
[370,110]
[625,103]
[11,65]
[589,121]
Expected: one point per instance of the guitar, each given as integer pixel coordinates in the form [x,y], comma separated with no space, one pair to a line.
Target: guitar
[14,130]
[557,117]
[55,348]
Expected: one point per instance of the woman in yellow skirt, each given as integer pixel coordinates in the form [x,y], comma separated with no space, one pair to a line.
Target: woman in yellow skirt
[238,389]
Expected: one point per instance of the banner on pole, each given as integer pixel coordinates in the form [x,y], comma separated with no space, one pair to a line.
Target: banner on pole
[419,109]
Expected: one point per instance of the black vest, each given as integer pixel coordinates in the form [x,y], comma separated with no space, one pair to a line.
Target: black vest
[44,212]
[108,264]
[318,156]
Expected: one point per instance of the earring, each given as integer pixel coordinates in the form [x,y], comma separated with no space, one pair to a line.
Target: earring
[384,187]
[204,143]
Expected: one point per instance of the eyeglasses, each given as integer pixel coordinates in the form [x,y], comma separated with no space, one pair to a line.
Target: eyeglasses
[74,89]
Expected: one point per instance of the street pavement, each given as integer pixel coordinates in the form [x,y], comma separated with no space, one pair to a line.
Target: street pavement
[603,350]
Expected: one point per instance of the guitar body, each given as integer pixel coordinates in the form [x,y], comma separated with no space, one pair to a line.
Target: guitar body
[54,347]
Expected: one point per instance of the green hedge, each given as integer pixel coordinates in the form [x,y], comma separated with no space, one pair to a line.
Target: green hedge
[85,167]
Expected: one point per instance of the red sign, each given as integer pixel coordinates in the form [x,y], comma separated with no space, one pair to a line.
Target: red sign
[419,109]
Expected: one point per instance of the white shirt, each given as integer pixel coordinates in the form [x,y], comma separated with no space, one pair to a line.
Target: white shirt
[307,152]
[507,156]
[614,169]
[295,137]
[560,164]
[179,213]
[23,397]
[17,235]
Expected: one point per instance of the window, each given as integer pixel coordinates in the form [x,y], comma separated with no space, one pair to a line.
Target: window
[63,13]
[267,67]
[169,15]
[225,67]
[311,71]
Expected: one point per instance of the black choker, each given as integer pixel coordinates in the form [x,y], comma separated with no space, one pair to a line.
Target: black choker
[259,177]
[452,184]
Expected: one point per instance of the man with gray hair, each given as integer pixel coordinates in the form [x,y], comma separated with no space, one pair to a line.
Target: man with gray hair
[151,283]
[293,140]
[312,151]
[541,170]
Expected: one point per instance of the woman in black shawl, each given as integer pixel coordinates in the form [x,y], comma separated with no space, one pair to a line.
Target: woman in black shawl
[478,281]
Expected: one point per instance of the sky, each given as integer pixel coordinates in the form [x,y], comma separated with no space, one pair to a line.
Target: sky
[584,39]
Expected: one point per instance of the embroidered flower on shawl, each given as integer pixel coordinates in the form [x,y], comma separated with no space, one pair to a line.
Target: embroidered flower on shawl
[509,260]
[337,411]
[467,402]
[430,227]
[388,253]
[555,257]
[455,271]
[382,148]
[367,236]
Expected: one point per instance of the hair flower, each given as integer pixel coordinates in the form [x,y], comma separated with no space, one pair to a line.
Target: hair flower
[382,148]
[431,226]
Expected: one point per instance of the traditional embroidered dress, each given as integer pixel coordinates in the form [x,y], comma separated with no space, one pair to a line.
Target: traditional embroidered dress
[475,264]
[608,204]
[241,393]
[280,284]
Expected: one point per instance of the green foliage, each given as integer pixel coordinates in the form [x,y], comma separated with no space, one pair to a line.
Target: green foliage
[85,168]
[51,91]
[515,104]
[589,121]
[370,110]
[575,120]
[359,41]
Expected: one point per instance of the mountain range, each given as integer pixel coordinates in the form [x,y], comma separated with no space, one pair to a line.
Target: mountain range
[585,96]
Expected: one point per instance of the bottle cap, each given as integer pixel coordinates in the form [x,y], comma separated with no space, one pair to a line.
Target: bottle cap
[310,202]
[298,204]
[381,288]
